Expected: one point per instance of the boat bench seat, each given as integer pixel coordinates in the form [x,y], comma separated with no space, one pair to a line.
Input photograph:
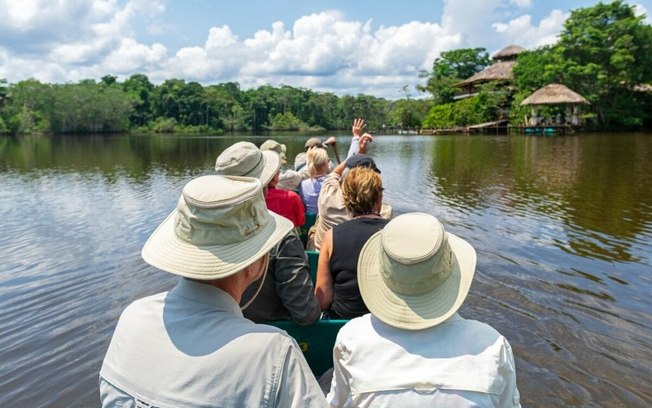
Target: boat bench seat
[315,340]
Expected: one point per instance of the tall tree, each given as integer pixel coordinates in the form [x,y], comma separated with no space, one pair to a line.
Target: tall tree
[606,50]
[139,89]
[452,67]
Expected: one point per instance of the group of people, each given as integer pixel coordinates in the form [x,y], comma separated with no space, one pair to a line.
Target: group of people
[232,241]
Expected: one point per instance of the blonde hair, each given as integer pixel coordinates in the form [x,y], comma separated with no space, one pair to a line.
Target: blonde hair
[362,189]
[316,160]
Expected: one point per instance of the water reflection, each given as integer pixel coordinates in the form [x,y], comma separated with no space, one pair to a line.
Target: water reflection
[595,188]
[562,227]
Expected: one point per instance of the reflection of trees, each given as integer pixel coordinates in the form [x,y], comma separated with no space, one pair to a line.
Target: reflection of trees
[467,168]
[595,184]
[133,155]
[612,195]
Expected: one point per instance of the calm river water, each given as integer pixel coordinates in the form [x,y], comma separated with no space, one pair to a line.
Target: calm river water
[562,226]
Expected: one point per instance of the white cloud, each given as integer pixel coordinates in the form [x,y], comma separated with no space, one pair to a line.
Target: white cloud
[131,56]
[321,51]
[471,20]
[522,3]
[75,39]
[534,36]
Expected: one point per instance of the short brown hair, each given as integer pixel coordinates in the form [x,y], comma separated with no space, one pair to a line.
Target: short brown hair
[361,190]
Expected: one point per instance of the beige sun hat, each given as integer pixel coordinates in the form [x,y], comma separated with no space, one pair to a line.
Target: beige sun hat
[414,275]
[313,142]
[276,147]
[245,159]
[220,226]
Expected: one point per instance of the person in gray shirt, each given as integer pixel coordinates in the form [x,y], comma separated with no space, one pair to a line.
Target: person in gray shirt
[286,292]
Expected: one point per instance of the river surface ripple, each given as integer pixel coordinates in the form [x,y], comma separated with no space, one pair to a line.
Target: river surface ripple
[562,227]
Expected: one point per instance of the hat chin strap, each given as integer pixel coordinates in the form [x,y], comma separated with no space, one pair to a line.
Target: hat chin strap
[260,286]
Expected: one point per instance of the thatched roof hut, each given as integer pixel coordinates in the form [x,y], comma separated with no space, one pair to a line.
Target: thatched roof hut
[554,94]
[509,52]
[501,70]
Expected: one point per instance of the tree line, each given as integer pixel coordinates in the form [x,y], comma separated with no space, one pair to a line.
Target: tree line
[136,104]
[604,53]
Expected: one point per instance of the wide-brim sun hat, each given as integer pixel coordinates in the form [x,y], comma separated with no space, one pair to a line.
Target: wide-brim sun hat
[247,160]
[412,274]
[313,142]
[220,226]
[275,146]
[272,166]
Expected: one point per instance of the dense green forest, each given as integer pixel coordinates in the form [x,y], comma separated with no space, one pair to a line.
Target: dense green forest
[175,105]
[604,53]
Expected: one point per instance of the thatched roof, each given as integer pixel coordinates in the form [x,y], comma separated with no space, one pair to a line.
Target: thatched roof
[507,52]
[553,94]
[501,70]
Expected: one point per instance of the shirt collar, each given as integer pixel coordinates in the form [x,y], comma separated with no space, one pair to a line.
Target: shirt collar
[455,317]
[206,294]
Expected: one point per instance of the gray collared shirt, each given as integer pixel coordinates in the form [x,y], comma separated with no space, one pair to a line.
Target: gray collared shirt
[287,291]
[192,347]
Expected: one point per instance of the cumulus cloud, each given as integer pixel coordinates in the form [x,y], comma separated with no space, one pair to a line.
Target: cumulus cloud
[77,39]
[534,35]
[320,51]
[493,25]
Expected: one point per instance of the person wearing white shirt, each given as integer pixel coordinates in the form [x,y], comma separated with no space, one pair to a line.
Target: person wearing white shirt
[191,346]
[413,349]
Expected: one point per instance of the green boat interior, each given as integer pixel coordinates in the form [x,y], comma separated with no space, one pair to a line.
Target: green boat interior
[315,340]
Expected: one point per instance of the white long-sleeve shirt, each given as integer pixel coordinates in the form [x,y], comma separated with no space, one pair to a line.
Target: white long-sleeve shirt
[458,363]
[191,347]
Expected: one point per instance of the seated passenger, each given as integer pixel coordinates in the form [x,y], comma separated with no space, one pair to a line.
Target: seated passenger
[301,159]
[337,280]
[331,207]
[286,292]
[285,202]
[414,350]
[330,204]
[289,179]
[191,346]
[318,167]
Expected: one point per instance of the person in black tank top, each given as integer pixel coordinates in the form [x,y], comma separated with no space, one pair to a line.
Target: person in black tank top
[337,274]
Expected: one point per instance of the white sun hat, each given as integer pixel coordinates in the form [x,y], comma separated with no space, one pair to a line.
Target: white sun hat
[220,226]
[273,145]
[245,159]
[414,275]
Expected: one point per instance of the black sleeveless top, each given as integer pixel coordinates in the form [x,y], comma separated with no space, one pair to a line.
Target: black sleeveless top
[348,240]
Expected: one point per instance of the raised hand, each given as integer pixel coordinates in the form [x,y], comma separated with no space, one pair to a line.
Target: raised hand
[330,141]
[364,141]
[358,127]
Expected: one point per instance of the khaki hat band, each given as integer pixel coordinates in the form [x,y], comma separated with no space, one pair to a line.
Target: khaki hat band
[415,279]
[206,227]
[256,169]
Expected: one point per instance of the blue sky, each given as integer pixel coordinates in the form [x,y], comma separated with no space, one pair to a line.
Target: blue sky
[339,46]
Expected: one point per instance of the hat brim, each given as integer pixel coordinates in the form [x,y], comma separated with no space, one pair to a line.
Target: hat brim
[165,251]
[272,166]
[415,312]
